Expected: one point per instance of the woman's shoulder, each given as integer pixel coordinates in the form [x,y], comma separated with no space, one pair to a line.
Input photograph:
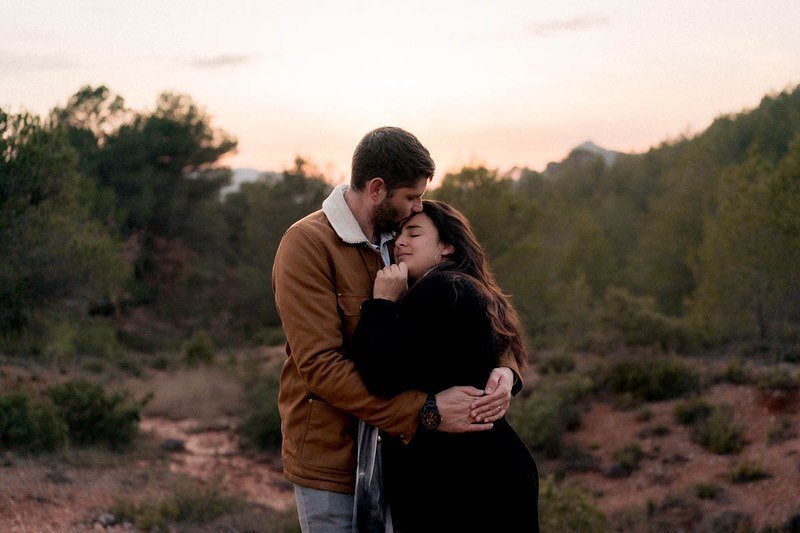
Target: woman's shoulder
[448,282]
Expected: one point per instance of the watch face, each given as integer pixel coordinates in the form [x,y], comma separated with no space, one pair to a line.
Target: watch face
[430,419]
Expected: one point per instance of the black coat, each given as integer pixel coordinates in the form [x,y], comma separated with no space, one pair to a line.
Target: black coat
[437,336]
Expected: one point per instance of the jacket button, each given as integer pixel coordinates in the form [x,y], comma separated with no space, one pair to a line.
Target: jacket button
[379,438]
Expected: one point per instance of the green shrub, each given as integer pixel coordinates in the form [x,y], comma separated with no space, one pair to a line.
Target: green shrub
[644,414]
[93,338]
[780,430]
[568,508]
[557,364]
[654,431]
[199,350]
[148,340]
[575,388]
[98,339]
[746,471]
[188,502]
[638,321]
[552,408]
[270,336]
[538,422]
[707,491]
[94,366]
[736,373]
[718,434]
[692,411]
[651,379]
[261,425]
[30,424]
[60,347]
[160,363]
[92,416]
[626,460]
[779,380]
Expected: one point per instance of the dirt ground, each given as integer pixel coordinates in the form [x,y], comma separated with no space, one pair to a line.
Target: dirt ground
[69,491]
[673,464]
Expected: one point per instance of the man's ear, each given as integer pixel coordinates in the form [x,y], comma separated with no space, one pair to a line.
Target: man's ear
[376,189]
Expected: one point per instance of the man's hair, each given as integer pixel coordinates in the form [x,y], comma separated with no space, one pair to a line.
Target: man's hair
[392,154]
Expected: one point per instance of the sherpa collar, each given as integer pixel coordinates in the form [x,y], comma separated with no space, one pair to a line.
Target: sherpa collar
[341,218]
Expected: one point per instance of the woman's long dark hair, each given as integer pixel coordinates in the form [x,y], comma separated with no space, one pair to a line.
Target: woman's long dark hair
[468,259]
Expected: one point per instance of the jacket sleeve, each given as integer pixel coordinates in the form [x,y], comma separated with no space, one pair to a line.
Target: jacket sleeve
[306,299]
[507,359]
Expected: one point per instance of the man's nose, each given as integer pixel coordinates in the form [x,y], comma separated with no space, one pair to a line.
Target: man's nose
[417,208]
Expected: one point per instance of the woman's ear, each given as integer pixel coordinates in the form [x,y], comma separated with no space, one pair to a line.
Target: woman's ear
[446,249]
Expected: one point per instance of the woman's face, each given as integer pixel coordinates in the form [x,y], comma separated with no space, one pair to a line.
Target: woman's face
[419,247]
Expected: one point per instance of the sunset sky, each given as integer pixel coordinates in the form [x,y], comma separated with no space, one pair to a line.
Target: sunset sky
[497,82]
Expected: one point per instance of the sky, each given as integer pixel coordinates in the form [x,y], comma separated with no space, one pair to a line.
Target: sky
[500,83]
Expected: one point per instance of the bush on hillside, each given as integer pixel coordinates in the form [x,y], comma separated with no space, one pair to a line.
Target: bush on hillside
[556,364]
[639,323]
[718,433]
[626,460]
[692,411]
[199,350]
[29,424]
[736,373]
[261,424]
[747,472]
[549,411]
[568,507]
[93,416]
[651,379]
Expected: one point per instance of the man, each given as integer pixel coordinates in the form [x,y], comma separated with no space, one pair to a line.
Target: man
[324,269]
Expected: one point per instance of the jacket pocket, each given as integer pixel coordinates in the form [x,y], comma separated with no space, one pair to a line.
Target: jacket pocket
[329,441]
[350,312]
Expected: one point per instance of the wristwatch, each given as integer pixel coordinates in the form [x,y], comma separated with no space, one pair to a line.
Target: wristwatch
[429,417]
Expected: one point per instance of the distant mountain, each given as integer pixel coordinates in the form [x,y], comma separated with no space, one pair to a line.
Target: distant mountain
[582,156]
[246,175]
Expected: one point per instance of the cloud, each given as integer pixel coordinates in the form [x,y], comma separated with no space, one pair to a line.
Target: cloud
[16,62]
[579,23]
[222,60]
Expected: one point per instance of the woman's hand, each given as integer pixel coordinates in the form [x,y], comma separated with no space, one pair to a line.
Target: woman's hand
[493,406]
[391,282]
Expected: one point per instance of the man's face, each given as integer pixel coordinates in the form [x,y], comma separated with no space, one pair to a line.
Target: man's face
[399,206]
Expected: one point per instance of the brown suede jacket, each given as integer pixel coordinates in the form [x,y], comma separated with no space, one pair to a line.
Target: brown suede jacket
[324,269]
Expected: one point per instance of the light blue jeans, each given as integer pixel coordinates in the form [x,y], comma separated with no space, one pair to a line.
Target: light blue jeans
[322,511]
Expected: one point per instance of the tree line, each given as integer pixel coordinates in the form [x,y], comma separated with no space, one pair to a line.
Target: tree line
[109,214]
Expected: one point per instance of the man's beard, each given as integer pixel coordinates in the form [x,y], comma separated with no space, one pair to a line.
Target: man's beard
[386,217]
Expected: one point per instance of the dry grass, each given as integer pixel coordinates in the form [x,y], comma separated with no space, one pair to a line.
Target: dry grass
[204,394]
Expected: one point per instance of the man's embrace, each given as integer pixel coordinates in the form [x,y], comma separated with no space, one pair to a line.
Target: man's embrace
[324,269]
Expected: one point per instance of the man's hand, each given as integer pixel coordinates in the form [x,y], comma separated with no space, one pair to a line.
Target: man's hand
[454,406]
[494,404]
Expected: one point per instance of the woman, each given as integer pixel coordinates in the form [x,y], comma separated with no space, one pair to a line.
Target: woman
[447,329]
